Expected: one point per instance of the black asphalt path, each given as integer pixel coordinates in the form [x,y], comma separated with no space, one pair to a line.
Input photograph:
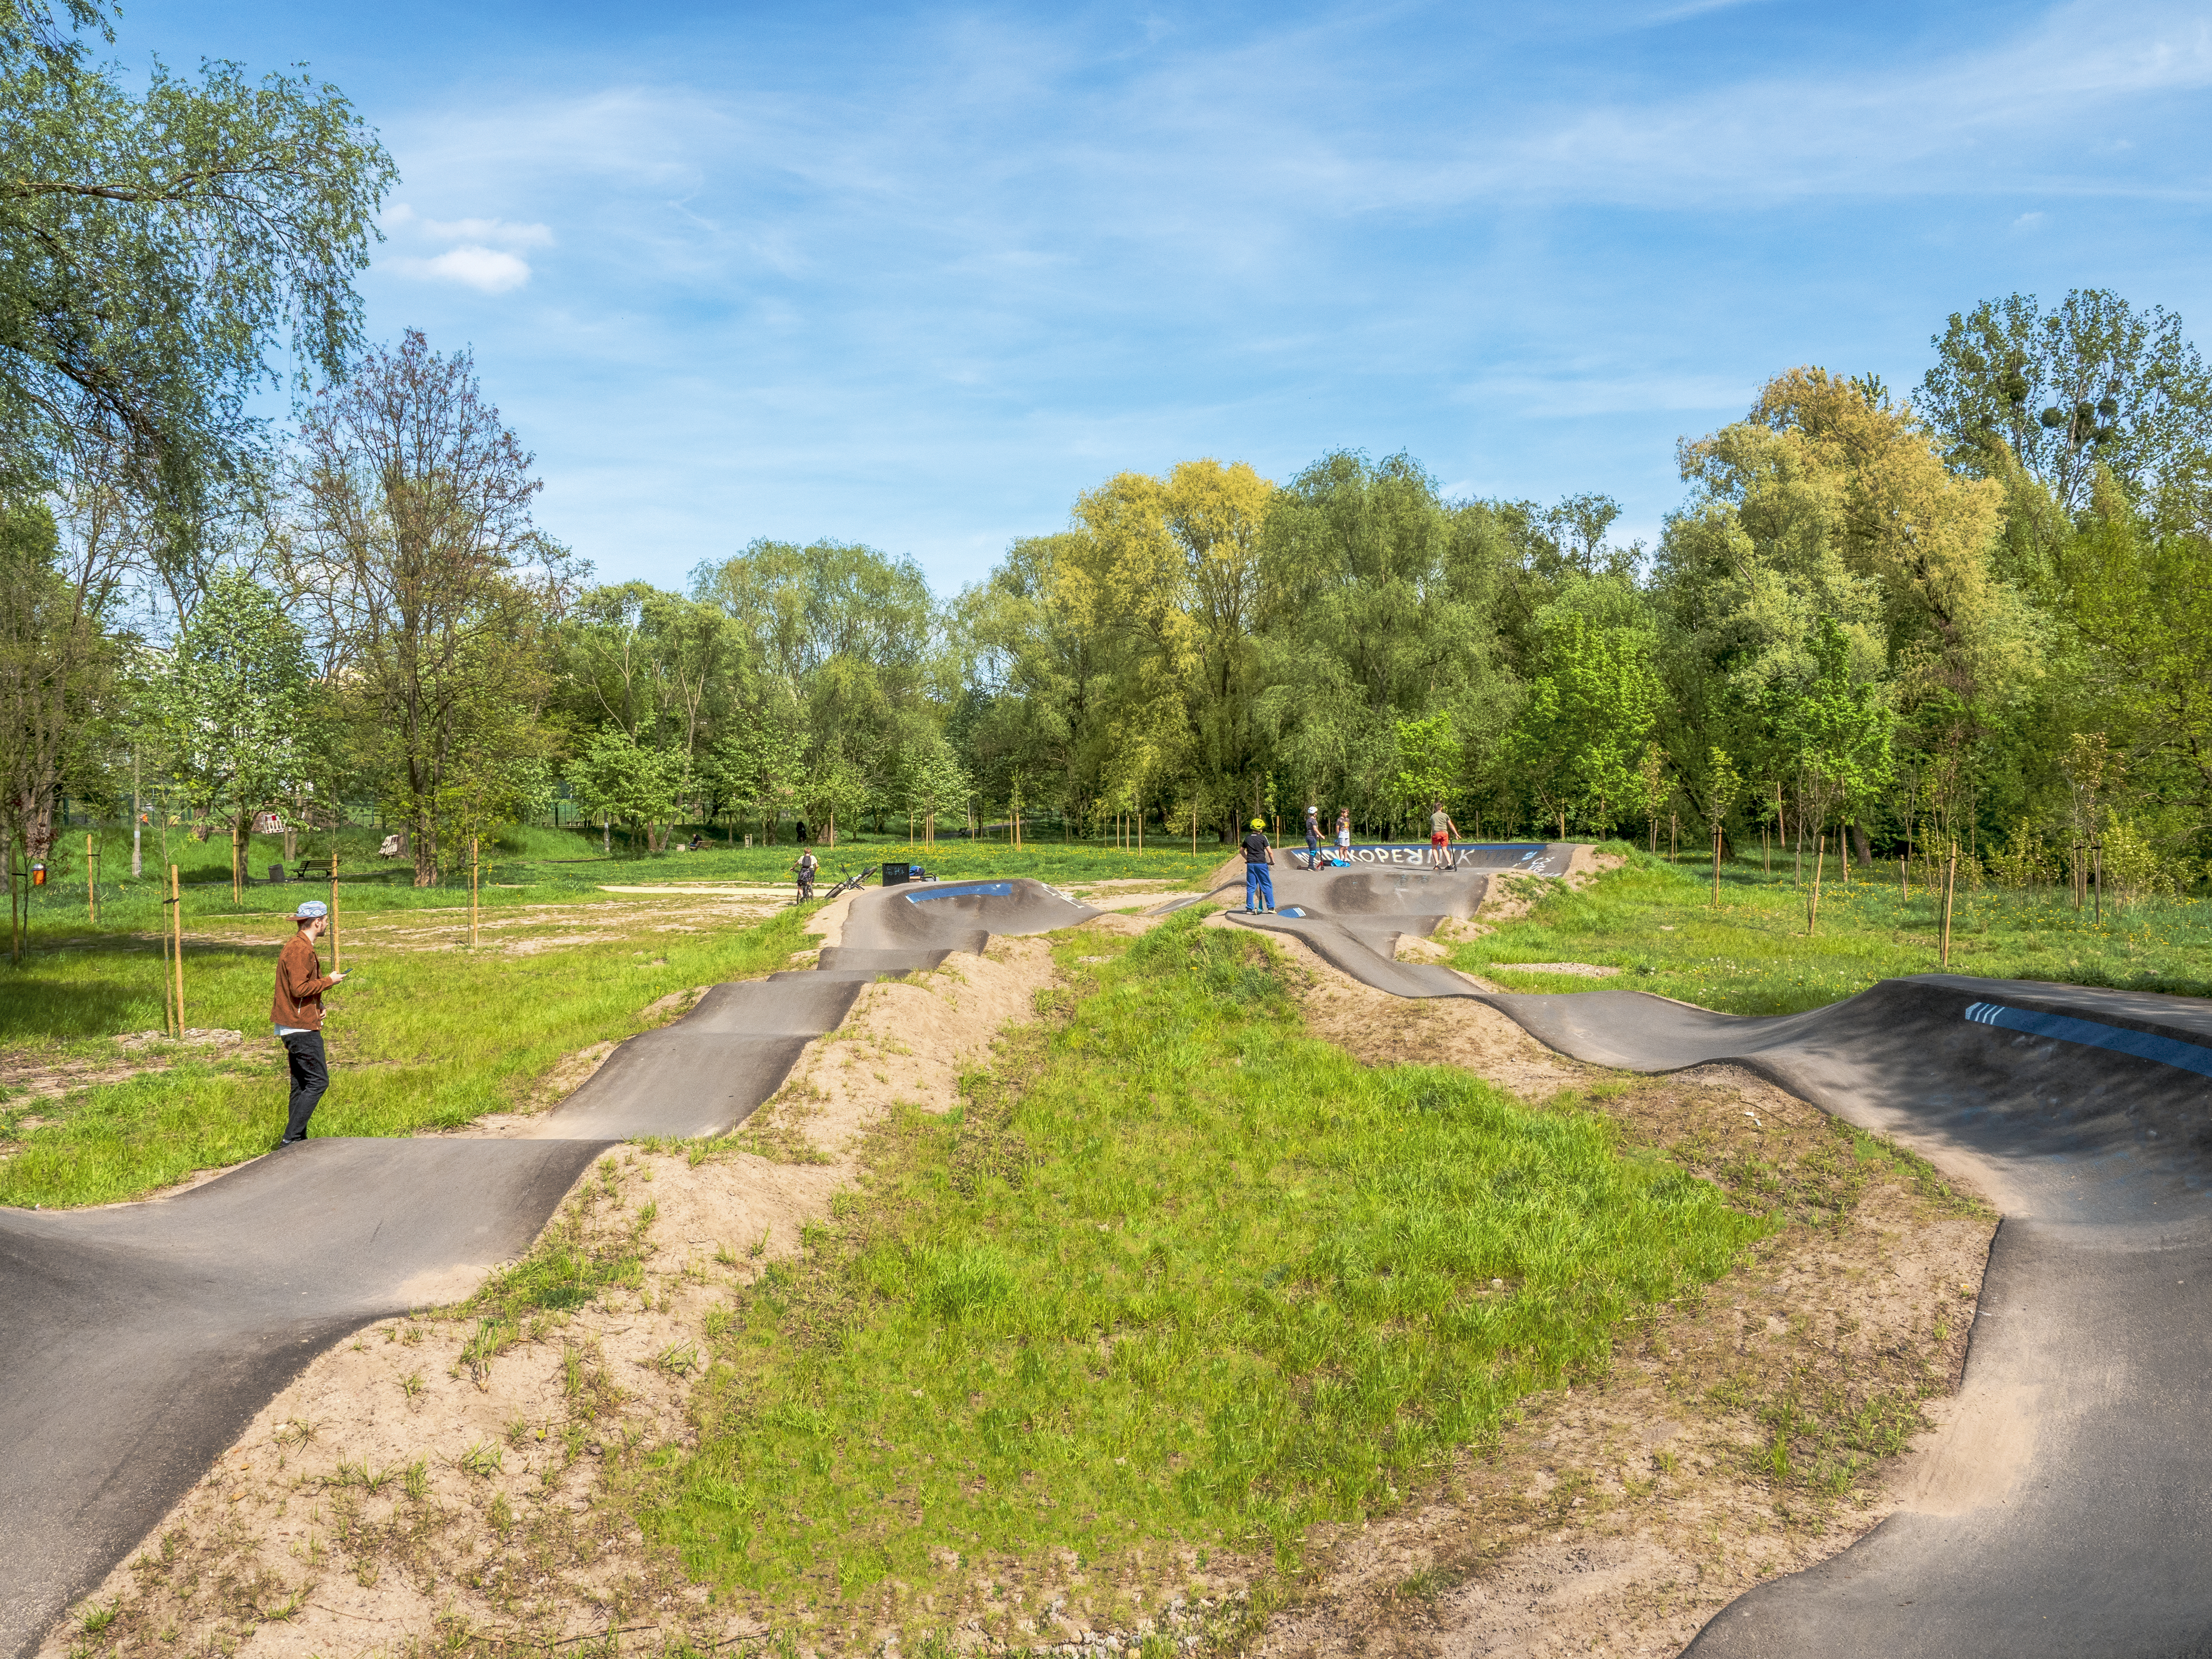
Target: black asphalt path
[137,1341]
[2067,1510]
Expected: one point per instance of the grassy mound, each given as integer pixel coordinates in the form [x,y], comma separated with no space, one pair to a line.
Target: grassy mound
[1177,1278]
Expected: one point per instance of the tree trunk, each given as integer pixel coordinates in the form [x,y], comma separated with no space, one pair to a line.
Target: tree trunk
[423,837]
[1862,847]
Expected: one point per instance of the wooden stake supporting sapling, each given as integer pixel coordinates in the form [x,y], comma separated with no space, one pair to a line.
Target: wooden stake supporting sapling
[337,961]
[1813,911]
[1950,887]
[169,1026]
[177,926]
[475,871]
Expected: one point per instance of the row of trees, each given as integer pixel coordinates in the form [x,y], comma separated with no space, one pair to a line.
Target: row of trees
[1899,621]
[1981,614]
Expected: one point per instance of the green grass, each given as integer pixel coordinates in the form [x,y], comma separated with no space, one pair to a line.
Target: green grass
[1655,920]
[420,1040]
[524,865]
[1176,1278]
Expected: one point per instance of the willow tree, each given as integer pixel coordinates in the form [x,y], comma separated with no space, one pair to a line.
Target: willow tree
[1174,574]
[158,240]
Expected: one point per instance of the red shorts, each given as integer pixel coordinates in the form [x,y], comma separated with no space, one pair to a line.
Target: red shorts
[1439,841]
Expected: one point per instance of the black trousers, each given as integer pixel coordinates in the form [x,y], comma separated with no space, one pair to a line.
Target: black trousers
[311,1075]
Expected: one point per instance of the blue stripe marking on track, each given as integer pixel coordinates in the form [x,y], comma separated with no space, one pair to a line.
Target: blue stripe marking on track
[989,889]
[2093,1034]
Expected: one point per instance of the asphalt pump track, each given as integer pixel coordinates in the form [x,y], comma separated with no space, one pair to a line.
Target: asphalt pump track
[137,1341]
[2067,1509]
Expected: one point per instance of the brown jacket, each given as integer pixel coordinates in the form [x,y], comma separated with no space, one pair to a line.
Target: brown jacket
[299,985]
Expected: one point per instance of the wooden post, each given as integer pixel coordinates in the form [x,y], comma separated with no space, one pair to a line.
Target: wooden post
[1904,875]
[168,976]
[338,960]
[1812,913]
[1950,887]
[177,923]
[475,848]
[1717,865]
[91,883]
[1673,833]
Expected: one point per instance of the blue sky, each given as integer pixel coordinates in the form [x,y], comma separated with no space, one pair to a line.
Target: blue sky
[916,275]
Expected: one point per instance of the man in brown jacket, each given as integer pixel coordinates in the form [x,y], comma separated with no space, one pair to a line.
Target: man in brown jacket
[298,1013]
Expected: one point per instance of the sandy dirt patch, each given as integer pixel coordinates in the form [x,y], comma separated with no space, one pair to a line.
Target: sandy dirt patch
[516,930]
[1573,969]
[457,1479]
[33,1072]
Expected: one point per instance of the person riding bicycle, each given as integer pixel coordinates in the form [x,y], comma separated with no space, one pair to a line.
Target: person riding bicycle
[807,867]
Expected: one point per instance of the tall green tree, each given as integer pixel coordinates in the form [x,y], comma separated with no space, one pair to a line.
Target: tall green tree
[850,638]
[1381,608]
[1589,708]
[162,232]
[58,665]
[2137,590]
[618,780]
[237,706]
[2093,382]
[415,551]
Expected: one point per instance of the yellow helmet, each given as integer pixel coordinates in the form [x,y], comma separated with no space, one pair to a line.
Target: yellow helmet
[1259,823]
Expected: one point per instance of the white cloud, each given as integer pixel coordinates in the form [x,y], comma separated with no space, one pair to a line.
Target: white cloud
[1696,9]
[2028,221]
[499,233]
[484,260]
[488,270]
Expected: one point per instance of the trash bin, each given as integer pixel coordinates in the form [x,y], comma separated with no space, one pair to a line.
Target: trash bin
[38,875]
[276,873]
[896,874]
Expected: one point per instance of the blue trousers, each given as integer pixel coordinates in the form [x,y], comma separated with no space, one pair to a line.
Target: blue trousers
[1259,880]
